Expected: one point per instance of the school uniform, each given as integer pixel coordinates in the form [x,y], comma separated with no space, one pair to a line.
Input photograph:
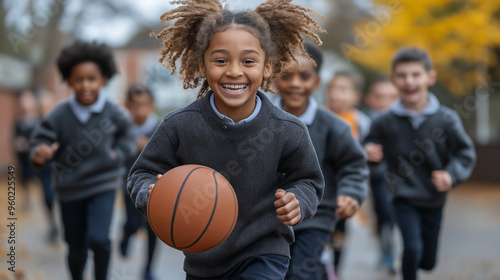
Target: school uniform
[251,156]
[345,170]
[85,174]
[382,204]
[134,219]
[414,145]
[359,124]
[24,128]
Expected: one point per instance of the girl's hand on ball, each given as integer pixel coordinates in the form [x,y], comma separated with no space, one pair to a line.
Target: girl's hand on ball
[288,207]
[150,187]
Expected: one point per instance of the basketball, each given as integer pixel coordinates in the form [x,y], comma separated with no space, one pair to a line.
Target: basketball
[192,208]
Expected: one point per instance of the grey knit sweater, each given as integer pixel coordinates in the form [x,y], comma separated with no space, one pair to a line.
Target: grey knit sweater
[344,167]
[439,143]
[83,165]
[251,156]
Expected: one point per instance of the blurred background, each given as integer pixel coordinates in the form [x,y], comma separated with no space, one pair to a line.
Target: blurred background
[462,37]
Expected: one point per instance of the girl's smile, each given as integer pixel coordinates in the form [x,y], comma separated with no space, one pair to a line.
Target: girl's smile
[235,65]
[234,89]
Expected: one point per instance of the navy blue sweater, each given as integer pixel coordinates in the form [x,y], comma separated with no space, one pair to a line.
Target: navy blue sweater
[439,143]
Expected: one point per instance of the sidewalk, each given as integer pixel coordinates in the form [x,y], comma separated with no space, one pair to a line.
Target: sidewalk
[469,248]
[469,242]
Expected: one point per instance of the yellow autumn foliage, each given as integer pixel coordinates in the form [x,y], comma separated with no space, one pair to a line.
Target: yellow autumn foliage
[460,36]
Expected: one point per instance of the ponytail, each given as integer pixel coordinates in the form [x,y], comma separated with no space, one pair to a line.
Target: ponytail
[286,23]
[179,40]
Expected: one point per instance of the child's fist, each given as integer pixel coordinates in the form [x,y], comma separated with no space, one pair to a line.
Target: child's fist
[374,152]
[44,153]
[151,187]
[346,206]
[113,155]
[288,207]
[442,180]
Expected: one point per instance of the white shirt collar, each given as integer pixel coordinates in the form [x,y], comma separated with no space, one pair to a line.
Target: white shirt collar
[147,127]
[82,112]
[417,118]
[308,117]
[229,121]
[431,108]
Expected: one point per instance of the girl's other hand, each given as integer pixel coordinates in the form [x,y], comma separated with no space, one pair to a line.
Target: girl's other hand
[288,207]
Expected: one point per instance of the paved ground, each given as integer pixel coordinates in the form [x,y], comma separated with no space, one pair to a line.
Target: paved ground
[469,249]
[469,241]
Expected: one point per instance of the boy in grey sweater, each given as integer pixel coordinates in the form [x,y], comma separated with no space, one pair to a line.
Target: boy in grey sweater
[341,159]
[87,138]
[427,153]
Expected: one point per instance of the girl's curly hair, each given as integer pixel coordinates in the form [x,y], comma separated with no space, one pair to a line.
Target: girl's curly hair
[278,24]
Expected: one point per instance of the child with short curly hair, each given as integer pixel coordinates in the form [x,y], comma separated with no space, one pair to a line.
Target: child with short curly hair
[234,129]
[88,139]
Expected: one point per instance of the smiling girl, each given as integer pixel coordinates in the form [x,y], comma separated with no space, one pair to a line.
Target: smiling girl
[234,129]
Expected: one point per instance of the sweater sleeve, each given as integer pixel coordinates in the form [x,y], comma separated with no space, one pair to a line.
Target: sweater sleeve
[45,132]
[375,134]
[157,158]
[462,153]
[351,167]
[303,176]
[125,143]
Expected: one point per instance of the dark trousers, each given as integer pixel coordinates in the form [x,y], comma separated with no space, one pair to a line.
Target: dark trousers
[262,267]
[340,231]
[86,225]
[420,230]
[27,172]
[306,255]
[384,210]
[48,193]
[382,202]
[43,174]
[135,221]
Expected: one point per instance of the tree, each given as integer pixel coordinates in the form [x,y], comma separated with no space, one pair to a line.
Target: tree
[37,32]
[460,35]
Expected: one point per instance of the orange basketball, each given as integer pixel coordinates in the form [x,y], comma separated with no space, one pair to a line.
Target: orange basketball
[192,208]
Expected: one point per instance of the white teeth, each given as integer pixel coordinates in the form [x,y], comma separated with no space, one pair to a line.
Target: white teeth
[234,86]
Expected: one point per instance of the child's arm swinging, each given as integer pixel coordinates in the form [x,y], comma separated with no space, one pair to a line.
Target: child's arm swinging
[352,173]
[303,184]
[43,142]
[462,155]
[124,146]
